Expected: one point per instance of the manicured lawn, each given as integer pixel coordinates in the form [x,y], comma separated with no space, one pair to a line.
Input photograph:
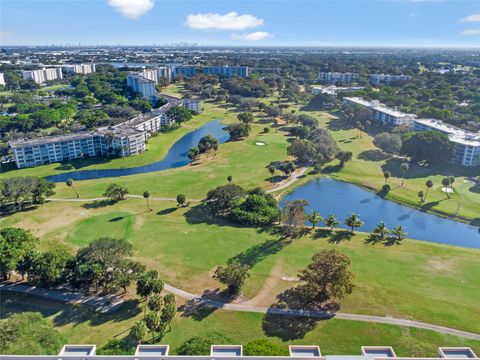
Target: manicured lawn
[416,280]
[114,224]
[333,336]
[365,171]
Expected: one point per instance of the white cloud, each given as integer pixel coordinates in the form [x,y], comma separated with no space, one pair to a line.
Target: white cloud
[254,36]
[471,18]
[229,21]
[132,9]
[471,32]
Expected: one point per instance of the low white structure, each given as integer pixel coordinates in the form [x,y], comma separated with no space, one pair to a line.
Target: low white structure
[78,350]
[230,351]
[83,69]
[467,144]
[304,351]
[2,79]
[377,79]
[381,113]
[152,350]
[41,76]
[337,77]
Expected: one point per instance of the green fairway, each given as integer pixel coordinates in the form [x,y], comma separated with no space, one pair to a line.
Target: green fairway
[333,336]
[114,224]
[413,280]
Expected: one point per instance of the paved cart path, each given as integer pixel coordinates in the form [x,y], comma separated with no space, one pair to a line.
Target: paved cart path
[113,303]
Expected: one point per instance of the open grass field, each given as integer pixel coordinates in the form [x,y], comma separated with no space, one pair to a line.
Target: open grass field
[415,280]
[334,336]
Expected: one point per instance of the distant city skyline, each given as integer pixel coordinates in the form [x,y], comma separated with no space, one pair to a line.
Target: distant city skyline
[388,23]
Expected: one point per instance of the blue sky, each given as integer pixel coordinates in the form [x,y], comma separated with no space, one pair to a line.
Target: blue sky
[242,22]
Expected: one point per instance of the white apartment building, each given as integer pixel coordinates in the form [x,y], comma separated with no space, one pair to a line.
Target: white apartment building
[381,113]
[164,72]
[43,75]
[80,69]
[193,105]
[467,144]
[377,79]
[337,77]
[150,74]
[2,79]
[124,139]
[142,85]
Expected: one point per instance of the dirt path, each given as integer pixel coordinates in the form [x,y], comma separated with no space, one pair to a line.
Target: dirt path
[284,184]
[268,287]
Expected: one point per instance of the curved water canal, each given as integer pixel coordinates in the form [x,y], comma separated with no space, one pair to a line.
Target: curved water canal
[176,156]
[329,196]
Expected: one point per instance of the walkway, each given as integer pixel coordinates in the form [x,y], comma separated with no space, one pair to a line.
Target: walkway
[298,173]
[322,315]
[112,303]
[102,304]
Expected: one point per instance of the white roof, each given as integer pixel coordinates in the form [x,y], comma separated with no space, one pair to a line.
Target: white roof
[455,134]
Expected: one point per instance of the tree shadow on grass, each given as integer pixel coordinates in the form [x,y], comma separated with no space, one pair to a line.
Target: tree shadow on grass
[276,322]
[429,206]
[201,307]
[200,214]
[259,252]
[99,204]
[373,239]
[330,169]
[373,155]
[167,211]
[339,236]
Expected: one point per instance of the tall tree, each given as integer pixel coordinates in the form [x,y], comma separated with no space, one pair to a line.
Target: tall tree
[146,196]
[327,279]
[293,215]
[398,233]
[353,221]
[139,331]
[148,284]
[446,186]
[314,217]
[331,221]
[429,185]
[71,183]
[343,157]
[381,230]
[15,245]
[404,168]
[233,275]
[386,175]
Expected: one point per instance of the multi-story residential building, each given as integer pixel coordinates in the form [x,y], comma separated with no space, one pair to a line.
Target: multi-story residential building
[226,71]
[337,78]
[51,149]
[377,79]
[80,69]
[235,352]
[124,139]
[193,105]
[165,72]
[150,74]
[185,71]
[381,113]
[142,85]
[333,90]
[466,144]
[43,75]
[2,79]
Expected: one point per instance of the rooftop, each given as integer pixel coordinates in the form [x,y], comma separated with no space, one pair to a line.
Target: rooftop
[455,134]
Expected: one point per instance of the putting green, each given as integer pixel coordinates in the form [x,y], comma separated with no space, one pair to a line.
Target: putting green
[113,224]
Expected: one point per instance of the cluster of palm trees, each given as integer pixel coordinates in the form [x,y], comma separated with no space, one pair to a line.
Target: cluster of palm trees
[447,183]
[384,234]
[353,221]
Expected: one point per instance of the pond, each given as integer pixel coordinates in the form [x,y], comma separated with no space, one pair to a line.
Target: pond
[176,156]
[329,196]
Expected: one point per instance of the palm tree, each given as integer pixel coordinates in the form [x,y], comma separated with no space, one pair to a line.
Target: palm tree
[315,218]
[428,184]
[230,178]
[71,183]
[146,195]
[381,230]
[331,221]
[446,185]
[404,167]
[398,233]
[452,180]
[353,221]
[271,170]
[386,175]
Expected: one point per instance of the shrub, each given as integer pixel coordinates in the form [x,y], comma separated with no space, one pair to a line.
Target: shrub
[264,347]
